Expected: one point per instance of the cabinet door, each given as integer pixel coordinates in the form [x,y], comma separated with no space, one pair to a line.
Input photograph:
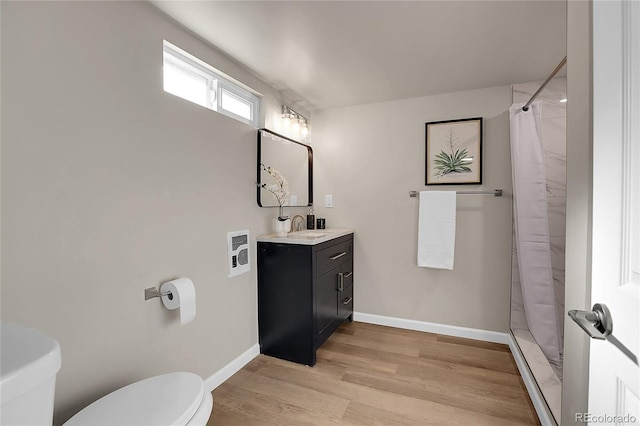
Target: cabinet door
[326,301]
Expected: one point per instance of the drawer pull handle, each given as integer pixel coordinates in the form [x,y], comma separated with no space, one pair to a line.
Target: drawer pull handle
[340,281]
[338,256]
[347,300]
[348,274]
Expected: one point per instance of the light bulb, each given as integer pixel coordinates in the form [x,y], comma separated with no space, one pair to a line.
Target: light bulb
[286,120]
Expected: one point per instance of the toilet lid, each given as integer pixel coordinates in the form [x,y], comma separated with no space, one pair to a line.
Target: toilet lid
[169,399]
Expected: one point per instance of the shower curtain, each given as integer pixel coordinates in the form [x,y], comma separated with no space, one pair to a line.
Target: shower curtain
[532,229]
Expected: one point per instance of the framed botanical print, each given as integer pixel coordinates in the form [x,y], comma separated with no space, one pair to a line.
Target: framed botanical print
[454,152]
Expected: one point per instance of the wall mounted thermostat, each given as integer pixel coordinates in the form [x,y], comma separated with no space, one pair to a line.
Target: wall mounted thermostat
[238,252]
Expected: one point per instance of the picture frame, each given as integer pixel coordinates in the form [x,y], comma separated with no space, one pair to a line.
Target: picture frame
[453,152]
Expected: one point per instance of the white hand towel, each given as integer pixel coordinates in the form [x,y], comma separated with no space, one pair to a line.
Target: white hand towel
[437,229]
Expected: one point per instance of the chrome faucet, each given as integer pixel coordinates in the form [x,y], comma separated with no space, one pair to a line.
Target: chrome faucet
[297,223]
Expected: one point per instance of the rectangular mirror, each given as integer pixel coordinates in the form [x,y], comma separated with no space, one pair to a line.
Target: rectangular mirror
[294,161]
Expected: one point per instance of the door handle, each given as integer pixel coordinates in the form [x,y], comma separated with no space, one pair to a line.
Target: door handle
[599,325]
[340,281]
[596,323]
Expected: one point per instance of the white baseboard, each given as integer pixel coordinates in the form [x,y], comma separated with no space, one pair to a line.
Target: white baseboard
[432,327]
[540,405]
[232,368]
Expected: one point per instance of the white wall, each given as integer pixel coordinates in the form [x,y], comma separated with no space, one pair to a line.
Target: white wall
[109,186]
[369,157]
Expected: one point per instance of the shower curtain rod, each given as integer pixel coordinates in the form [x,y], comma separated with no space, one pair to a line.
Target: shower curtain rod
[553,73]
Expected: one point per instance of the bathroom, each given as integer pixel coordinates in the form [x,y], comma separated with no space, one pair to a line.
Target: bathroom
[110,186]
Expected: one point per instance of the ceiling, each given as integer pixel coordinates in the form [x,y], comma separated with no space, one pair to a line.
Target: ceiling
[325,54]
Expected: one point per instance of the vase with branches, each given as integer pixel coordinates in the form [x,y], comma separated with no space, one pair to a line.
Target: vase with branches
[280,190]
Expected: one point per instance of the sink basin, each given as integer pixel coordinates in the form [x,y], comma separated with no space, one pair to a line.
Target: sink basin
[312,234]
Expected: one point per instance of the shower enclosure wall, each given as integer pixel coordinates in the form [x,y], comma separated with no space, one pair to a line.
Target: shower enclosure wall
[537,291]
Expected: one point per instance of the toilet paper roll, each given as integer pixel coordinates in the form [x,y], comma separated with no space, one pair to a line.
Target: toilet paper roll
[182,295]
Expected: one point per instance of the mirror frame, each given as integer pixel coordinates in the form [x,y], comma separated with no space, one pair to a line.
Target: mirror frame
[309,167]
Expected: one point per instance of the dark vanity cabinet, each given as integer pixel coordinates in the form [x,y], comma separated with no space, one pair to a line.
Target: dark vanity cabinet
[305,291]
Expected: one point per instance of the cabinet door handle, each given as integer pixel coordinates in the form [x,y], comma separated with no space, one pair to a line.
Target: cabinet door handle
[348,274]
[337,256]
[347,300]
[340,281]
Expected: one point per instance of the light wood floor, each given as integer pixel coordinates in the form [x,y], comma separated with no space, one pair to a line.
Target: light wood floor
[374,375]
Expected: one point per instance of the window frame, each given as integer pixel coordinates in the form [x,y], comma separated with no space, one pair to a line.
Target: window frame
[216,83]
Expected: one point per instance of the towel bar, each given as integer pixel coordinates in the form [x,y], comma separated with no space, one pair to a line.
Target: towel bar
[495,193]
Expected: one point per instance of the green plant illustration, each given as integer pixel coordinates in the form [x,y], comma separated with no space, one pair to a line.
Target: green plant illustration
[455,162]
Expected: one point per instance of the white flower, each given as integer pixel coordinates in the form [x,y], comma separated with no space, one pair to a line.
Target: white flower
[280,190]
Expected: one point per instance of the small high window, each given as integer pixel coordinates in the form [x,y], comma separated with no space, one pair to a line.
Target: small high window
[191,79]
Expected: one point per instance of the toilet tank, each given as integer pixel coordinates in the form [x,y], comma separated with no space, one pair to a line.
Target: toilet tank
[29,362]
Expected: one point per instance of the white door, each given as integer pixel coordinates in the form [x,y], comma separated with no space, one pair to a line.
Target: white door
[614,379]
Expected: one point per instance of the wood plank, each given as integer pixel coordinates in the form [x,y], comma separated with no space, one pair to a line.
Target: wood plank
[222,415]
[478,357]
[283,412]
[231,396]
[290,393]
[474,343]
[443,370]
[325,369]
[349,362]
[375,339]
[492,402]
[422,335]
[361,414]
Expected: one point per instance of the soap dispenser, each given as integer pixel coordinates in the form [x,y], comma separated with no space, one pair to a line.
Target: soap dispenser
[311,219]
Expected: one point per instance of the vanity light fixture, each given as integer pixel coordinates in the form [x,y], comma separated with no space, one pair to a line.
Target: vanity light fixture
[295,121]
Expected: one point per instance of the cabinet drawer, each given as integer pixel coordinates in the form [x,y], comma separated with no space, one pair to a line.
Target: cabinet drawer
[345,302]
[333,256]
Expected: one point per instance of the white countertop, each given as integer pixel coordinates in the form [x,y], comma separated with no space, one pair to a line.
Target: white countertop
[307,237]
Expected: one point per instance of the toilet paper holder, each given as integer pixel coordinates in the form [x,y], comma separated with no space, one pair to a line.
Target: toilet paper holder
[151,292]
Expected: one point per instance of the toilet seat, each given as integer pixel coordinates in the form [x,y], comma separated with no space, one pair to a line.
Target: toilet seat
[170,399]
[201,417]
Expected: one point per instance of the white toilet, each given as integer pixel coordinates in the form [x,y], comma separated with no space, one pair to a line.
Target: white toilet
[178,399]
[29,362]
